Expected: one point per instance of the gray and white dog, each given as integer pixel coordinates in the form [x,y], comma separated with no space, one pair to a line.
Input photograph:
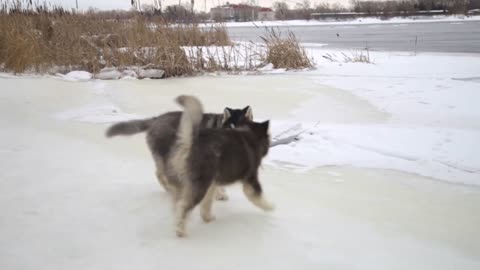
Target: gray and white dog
[203,159]
[162,133]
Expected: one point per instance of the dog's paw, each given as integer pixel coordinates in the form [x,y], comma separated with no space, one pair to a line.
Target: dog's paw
[180,229]
[221,196]
[268,207]
[208,218]
[181,233]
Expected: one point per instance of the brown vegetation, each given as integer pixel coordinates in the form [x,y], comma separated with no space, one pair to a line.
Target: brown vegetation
[39,40]
[45,39]
[285,52]
[352,57]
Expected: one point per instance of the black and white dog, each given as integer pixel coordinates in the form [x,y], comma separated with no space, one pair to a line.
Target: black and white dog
[203,158]
[162,133]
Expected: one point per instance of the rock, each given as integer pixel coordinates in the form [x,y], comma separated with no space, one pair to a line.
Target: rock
[150,73]
[129,73]
[108,74]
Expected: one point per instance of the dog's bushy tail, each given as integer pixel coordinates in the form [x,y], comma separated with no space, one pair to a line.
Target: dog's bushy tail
[129,127]
[186,133]
[190,121]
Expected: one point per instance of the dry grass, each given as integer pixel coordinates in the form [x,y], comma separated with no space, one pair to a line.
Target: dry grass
[358,57]
[285,52]
[352,57]
[39,41]
[46,39]
[232,58]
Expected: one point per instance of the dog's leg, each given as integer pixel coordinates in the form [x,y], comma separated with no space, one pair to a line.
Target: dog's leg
[160,173]
[172,190]
[181,216]
[206,204]
[162,179]
[253,191]
[221,194]
[189,198]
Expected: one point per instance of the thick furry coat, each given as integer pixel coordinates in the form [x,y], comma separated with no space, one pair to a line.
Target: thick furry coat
[162,134]
[202,159]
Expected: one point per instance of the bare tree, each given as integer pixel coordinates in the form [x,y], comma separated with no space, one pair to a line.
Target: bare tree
[457,6]
[281,10]
[305,10]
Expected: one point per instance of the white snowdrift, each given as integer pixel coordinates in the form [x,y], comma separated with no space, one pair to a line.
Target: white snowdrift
[430,126]
[427,88]
[445,154]
[78,76]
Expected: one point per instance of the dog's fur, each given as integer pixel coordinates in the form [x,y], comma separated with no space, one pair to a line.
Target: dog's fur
[162,132]
[203,159]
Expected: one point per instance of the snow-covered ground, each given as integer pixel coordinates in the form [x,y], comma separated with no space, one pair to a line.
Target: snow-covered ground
[427,116]
[369,20]
[385,174]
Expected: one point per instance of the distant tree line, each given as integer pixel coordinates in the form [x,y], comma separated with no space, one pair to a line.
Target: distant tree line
[410,6]
[171,13]
[304,9]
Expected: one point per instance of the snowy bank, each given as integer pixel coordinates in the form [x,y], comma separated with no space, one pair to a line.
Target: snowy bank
[430,122]
[371,20]
[382,115]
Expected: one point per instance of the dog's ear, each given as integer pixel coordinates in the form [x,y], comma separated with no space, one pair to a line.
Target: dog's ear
[265,125]
[248,112]
[227,113]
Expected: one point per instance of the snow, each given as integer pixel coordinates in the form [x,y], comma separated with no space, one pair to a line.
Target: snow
[267,67]
[426,119]
[445,154]
[312,45]
[440,87]
[112,74]
[369,20]
[78,76]
[92,113]
[99,110]
[385,173]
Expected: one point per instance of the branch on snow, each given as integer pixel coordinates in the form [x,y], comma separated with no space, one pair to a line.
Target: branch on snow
[286,140]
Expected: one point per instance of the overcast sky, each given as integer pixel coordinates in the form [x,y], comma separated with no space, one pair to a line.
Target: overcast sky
[199,4]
